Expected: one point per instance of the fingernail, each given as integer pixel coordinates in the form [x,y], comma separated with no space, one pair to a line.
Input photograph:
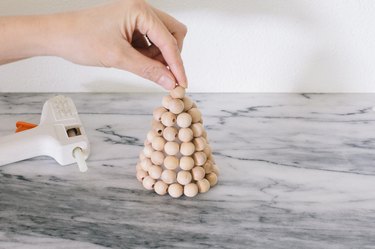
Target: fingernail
[167,82]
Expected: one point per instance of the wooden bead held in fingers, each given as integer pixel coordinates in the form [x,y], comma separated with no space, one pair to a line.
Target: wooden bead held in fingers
[184,120]
[176,106]
[178,92]
[169,176]
[186,163]
[184,177]
[187,149]
[170,133]
[141,174]
[198,173]
[199,158]
[168,119]
[195,114]
[155,171]
[203,185]
[158,112]
[188,103]
[185,135]
[161,188]
[158,143]
[212,179]
[148,182]
[175,190]
[146,164]
[199,143]
[158,127]
[157,157]
[171,148]
[165,101]
[171,162]
[147,150]
[191,190]
[197,129]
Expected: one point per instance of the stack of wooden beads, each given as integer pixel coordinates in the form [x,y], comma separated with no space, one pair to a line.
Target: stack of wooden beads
[177,158]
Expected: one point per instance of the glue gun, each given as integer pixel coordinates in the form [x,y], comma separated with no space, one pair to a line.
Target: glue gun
[60,135]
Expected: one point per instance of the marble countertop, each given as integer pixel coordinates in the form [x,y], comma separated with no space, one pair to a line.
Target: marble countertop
[297,171]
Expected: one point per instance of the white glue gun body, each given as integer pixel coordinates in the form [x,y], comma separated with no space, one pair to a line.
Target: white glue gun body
[60,135]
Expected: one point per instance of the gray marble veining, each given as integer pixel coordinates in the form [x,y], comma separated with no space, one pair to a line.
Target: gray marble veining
[297,171]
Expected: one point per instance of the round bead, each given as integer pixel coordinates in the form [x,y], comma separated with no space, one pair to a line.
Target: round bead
[147,150]
[171,162]
[191,190]
[199,143]
[198,173]
[148,182]
[171,148]
[186,163]
[158,128]
[199,158]
[203,185]
[216,170]
[184,177]
[188,103]
[175,190]
[184,120]
[197,129]
[176,106]
[185,134]
[146,164]
[158,112]
[207,150]
[187,149]
[142,156]
[138,167]
[195,114]
[170,133]
[204,134]
[146,142]
[208,166]
[151,134]
[168,119]
[166,100]
[155,171]
[161,188]
[178,92]
[158,143]
[157,157]
[141,174]
[169,176]
[212,179]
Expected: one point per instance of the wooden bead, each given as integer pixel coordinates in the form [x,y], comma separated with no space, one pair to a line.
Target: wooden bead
[204,134]
[151,134]
[147,150]
[198,173]
[216,170]
[148,182]
[203,185]
[169,176]
[184,120]
[212,179]
[146,164]
[191,190]
[158,143]
[170,133]
[186,163]
[197,129]
[171,162]
[176,106]
[208,166]
[142,155]
[184,177]
[158,127]
[161,188]
[195,114]
[138,167]
[175,190]
[168,119]
[155,171]
[185,134]
[207,150]
[188,103]
[141,174]
[178,92]
[166,100]
[157,157]
[171,148]
[187,149]
[199,143]
[146,142]
[158,112]
[199,158]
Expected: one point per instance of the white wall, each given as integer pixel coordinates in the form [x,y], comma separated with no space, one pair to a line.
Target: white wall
[232,46]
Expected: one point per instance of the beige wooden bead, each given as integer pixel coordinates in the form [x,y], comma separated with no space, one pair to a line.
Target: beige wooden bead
[216,170]
[138,167]
[199,158]
[187,149]
[169,176]
[188,103]
[170,133]
[178,92]
[185,134]
[212,179]
[158,112]
[155,171]
[171,162]
[166,100]
[186,163]
[148,182]
[161,188]
[158,127]
[141,174]
[197,129]
[208,166]
[204,134]
[199,143]
[151,134]
[142,156]
[175,190]
[191,190]
[157,157]
[184,177]
[146,164]
[194,105]
[184,120]
[203,185]
[207,150]
[171,148]
[158,143]
[168,119]
[176,106]
[147,150]
[146,142]
[198,173]
[195,114]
